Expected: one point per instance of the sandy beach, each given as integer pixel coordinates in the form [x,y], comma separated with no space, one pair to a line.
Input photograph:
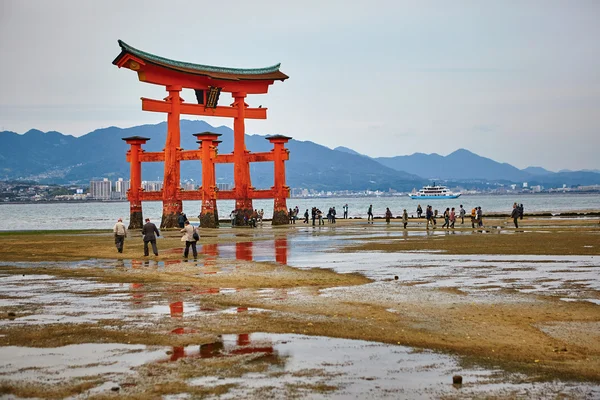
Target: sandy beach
[521,304]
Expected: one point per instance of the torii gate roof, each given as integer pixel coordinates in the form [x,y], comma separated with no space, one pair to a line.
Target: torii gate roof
[236,74]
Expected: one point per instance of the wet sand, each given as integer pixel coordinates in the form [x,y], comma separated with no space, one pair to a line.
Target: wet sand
[526,303]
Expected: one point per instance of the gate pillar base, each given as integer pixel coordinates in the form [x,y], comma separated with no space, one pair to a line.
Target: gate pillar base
[280,218]
[136,220]
[208,220]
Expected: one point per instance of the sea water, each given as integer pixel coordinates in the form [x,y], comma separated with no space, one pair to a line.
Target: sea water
[103,215]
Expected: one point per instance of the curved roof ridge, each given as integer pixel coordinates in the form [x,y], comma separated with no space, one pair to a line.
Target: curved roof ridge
[200,67]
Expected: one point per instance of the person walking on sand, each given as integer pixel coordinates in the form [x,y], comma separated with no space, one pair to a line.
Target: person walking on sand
[181,220]
[429,217]
[120,232]
[370,213]
[189,239]
[345,209]
[515,215]
[388,215]
[405,218]
[306,216]
[261,214]
[520,207]
[479,217]
[233,216]
[462,213]
[419,211]
[452,218]
[473,217]
[150,232]
[446,218]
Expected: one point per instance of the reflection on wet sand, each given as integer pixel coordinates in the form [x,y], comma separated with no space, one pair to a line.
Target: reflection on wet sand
[268,250]
[243,251]
[242,344]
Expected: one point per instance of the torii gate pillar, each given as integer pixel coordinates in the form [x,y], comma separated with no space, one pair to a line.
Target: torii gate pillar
[135,186]
[208,147]
[282,192]
[172,204]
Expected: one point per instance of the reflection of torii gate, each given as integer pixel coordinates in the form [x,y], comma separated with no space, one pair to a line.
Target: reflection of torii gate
[208,82]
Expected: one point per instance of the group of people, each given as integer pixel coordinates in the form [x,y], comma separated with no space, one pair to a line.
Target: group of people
[389,216]
[293,215]
[450,215]
[249,219]
[150,232]
[190,235]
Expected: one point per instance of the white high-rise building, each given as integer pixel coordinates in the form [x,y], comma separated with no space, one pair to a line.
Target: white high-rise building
[101,189]
[152,186]
[121,188]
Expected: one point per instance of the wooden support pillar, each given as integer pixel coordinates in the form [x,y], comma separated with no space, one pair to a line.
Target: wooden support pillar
[282,192]
[241,166]
[209,195]
[214,154]
[172,204]
[136,220]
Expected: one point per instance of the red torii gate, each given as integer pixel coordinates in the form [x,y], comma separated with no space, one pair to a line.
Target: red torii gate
[208,82]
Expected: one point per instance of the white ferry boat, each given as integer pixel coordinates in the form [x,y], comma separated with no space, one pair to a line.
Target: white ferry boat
[434,192]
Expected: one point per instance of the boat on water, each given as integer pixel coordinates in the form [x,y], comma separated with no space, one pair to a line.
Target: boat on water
[434,192]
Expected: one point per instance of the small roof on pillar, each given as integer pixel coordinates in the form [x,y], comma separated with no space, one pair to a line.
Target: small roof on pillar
[278,137]
[135,138]
[267,73]
[207,133]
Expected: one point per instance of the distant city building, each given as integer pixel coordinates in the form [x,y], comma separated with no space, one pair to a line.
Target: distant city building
[525,184]
[101,190]
[121,188]
[189,186]
[297,192]
[224,186]
[152,186]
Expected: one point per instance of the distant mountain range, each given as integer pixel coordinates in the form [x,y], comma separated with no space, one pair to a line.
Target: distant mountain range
[56,158]
[464,167]
[52,157]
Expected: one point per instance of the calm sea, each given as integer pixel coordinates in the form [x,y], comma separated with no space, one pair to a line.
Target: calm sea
[104,215]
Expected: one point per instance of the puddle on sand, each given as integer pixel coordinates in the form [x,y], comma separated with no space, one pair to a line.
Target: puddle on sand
[302,365]
[59,364]
[359,370]
[51,300]
[570,277]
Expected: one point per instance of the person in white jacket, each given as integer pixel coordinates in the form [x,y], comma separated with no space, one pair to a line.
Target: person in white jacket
[188,237]
[120,232]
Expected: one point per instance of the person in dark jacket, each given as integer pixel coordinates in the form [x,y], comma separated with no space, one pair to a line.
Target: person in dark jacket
[149,230]
[515,215]
[181,220]
[520,207]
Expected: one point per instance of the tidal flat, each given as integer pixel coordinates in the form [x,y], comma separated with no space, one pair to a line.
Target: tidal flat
[345,310]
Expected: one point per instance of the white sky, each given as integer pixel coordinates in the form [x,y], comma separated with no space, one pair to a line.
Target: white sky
[516,81]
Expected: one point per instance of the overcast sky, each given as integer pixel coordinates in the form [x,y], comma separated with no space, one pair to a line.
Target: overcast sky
[516,81]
